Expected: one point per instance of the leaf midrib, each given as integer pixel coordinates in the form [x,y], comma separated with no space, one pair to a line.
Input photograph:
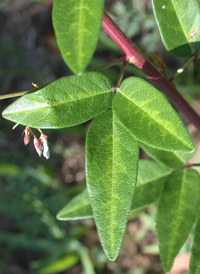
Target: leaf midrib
[129,99]
[80,35]
[170,251]
[57,104]
[111,208]
[179,19]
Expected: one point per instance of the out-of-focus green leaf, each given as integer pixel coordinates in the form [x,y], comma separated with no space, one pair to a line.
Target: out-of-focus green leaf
[60,265]
[176,213]
[111,167]
[151,249]
[9,169]
[198,66]
[77,25]
[151,178]
[23,241]
[167,158]
[86,261]
[179,25]
[147,114]
[66,102]
[194,267]
[68,246]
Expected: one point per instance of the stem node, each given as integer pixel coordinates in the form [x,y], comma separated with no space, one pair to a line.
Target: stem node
[140,61]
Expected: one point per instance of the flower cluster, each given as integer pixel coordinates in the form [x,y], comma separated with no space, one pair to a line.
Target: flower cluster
[41,145]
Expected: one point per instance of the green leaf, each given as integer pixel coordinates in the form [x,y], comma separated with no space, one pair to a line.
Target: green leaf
[151,178]
[169,159]
[194,267]
[77,25]
[176,213]
[198,66]
[179,25]
[61,264]
[69,101]
[147,114]
[86,261]
[78,208]
[111,166]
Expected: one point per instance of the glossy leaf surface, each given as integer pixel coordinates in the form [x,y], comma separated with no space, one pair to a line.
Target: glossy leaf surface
[176,213]
[167,158]
[179,25]
[195,251]
[147,114]
[61,264]
[69,101]
[111,167]
[151,178]
[77,25]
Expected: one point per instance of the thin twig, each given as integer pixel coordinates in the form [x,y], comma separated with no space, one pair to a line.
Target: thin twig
[181,69]
[121,74]
[108,65]
[21,93]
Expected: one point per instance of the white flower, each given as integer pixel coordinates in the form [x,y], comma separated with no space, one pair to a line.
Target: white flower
[44,140]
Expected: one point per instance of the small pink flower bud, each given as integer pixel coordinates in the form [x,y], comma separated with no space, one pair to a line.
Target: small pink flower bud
[38,145]
[26,139]
[26,134]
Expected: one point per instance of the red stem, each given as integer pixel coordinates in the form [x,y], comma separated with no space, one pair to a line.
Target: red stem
[139,60]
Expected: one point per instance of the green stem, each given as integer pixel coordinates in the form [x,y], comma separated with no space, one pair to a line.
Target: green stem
[180,70]
[121,74]
[108,65]
[21,93]
[99,68]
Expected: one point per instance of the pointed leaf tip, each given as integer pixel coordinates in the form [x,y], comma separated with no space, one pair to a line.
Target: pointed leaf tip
[167,158]
[111,167]
[77,25]
[78,208]
[149,117]
[66,102]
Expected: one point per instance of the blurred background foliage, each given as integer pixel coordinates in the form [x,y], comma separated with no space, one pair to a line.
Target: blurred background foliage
[33,190]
